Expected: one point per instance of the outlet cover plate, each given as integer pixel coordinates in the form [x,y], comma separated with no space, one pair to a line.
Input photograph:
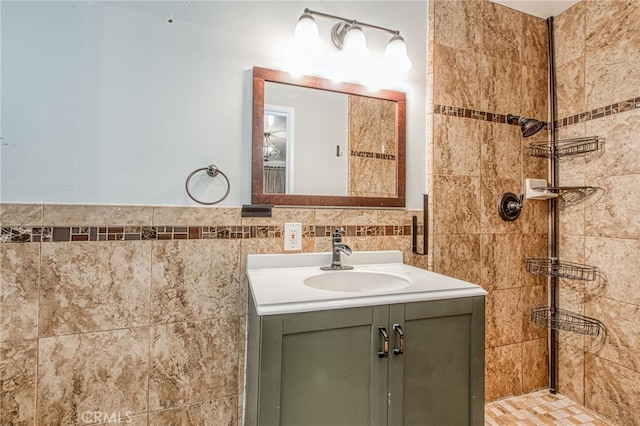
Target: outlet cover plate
[292,236]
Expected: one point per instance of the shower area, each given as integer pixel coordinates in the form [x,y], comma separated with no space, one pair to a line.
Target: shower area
[562,307]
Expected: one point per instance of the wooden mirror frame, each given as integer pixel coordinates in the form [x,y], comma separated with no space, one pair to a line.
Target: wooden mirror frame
[263,75]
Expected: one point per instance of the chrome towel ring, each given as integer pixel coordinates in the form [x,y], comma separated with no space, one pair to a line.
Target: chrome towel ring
[212,171]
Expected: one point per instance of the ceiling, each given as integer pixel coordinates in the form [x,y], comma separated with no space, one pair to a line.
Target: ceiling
[539,8]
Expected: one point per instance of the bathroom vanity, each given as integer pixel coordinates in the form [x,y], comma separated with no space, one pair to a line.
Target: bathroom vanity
[389,344]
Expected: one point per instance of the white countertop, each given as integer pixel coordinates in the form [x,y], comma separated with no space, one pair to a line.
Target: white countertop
[277,284]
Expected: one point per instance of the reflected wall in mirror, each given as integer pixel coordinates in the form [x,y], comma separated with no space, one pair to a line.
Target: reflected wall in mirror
[322,143]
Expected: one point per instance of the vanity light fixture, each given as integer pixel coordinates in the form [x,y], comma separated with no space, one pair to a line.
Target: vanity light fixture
[348,36]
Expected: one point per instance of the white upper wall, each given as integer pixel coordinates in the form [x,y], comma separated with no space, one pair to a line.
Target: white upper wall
[108,103]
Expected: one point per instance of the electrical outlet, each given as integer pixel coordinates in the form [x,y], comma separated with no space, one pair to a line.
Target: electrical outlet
[292,236]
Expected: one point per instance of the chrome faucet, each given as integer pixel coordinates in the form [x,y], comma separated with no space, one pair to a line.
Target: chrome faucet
[337,248]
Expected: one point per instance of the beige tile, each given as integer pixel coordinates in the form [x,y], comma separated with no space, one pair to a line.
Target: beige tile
[458,256]
[456,205]
[280,215]
[570,89]
[91,287]
[195,280]
[571,167]
[501,151]
[571,217]
[569,34]
[398,217]
[535,43]
[534,246]
[87,215]
[456,146]
[620,155]
[502,265]
[18,360]
[502,32]
[535,367]
[533,297]
[501,360]
[504,317]
[612,390]
[455,78]
[19,277]
[571,371]
[20,214]
[612,256]
[497,90]
[105,371]
[218,412]
[611,21]
[196,216]
[457,24]
[535,93]
[343,217]
[622,342]
[181,352]
[606,218]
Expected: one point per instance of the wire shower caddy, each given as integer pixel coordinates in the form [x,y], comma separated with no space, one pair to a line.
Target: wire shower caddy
[562,269]
[560,319]
[575,146]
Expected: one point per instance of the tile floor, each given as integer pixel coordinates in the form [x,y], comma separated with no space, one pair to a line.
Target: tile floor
[541,408]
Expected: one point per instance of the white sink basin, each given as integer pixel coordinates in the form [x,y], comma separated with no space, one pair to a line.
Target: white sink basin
[356,281]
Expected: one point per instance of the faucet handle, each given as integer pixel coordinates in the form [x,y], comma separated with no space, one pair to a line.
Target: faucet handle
[337,233]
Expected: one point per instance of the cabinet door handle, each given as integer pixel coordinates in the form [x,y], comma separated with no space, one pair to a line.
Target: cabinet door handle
[398,329]
[385,349]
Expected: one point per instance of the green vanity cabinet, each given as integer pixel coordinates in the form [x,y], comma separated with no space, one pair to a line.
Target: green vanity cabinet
[329,368]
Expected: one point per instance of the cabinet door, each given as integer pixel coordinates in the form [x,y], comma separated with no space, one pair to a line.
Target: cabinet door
[322,368]
[439,379]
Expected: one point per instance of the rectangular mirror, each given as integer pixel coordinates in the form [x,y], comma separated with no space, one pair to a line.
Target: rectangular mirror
[322,143]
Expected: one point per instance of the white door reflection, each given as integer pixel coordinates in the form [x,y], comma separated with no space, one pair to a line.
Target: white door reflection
[279,131]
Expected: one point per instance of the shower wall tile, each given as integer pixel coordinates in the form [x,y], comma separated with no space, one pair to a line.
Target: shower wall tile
[501,151]
[105,371]
[533,297]
[612,256]
[504,317]
[18,359]
[606,218]
[456,206]
[612,390]
[533,246]
[328,217]
[502,265]
[498,361]
[534,167]
[86,215]
[455,72]
[569,34]
[19,279]
[447,29]
[570,88]
[535,52]
[218,412]
[622,343]
[195,280]
[571,371]
[195,216]
[571,217]
[502,31]
[497,90]
[571,167]
[21,214]
[458,256]
[534,217]
[181,352]
[535,365]
[281,215]
[621,153]
[534,93]
[458,148]
[91,287]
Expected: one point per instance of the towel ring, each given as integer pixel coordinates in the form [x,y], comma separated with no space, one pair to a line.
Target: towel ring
[212,171]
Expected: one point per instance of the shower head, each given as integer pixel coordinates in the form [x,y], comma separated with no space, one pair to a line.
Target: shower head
[528,126]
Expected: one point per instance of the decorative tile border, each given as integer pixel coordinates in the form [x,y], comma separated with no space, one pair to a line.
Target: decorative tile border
[605,111]
[163,233]
[377,155]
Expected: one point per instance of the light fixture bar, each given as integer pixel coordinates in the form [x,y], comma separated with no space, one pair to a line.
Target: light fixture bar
[351,21]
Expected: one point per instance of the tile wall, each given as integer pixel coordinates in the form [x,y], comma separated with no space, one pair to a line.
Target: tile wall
[487,61]
[138,313]
[598,79]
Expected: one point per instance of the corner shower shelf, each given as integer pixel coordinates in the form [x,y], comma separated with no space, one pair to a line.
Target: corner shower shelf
[566,147]
[559,319]
[561,269]
[571,194]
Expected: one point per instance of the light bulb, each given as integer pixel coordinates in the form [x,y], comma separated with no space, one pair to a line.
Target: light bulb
[395,55]
[355,44]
